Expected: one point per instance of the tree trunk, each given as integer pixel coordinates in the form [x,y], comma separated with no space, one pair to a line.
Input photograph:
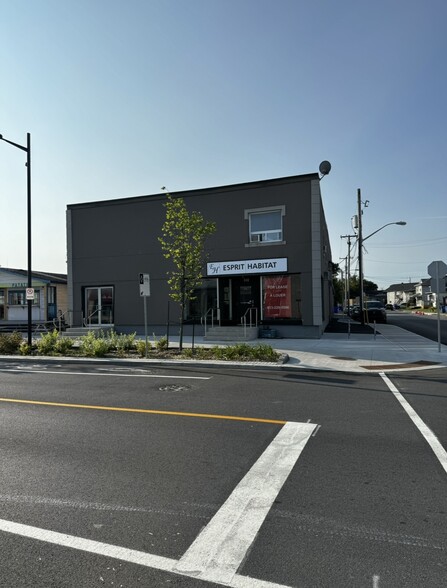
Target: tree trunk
[182,315]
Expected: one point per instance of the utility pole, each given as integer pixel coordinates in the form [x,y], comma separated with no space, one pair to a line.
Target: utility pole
[348,271]
[360,238]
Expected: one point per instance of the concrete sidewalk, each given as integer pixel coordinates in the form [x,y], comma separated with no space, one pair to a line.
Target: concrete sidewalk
[392,348]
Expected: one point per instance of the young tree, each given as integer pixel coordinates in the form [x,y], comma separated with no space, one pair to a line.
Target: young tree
[183,241]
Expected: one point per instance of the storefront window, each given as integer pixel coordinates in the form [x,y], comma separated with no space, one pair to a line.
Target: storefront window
[281,297]
[205,299]
[18,298]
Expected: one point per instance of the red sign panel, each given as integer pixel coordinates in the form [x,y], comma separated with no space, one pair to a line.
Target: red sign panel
[277,297]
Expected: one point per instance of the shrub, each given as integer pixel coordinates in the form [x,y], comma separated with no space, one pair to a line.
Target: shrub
[10,342]
[93,346]
[161,344]
[63,345]
[54,344]
[140,346]
[25,349]
[47,342]
[198,353]
[239,352]
[121,343]
[265,352]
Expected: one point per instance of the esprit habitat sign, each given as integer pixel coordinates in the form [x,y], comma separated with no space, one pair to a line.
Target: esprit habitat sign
[247,266]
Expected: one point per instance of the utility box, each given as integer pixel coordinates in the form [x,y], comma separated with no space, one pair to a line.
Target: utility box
[268,333]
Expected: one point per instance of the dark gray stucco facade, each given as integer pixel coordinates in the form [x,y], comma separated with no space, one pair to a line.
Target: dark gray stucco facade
[110,242]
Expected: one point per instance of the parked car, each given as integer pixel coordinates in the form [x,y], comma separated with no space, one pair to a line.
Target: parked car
[389,306]
[373,311]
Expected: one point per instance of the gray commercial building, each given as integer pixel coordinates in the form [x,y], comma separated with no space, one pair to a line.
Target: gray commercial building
[267,264]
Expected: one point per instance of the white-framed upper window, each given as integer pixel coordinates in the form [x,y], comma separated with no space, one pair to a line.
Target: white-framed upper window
[265,225]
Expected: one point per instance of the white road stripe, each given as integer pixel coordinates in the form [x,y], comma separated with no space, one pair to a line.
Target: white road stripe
[121,553]
[114,375]
[427,433]
[219,549]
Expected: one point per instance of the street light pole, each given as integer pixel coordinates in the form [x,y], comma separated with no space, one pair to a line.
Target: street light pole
[361,240]
[27,150]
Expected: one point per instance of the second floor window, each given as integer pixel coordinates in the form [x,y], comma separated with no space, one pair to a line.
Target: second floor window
[265,226]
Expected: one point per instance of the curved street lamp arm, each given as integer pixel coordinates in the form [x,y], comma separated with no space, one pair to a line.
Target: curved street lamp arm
[2,138]
[402,223]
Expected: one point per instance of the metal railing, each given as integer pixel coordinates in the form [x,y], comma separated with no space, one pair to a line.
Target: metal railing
[62,320]
[204,319]
[250,311]
[101,312]
[87,321]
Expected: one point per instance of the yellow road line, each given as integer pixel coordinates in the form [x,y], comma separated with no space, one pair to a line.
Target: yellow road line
[146,411]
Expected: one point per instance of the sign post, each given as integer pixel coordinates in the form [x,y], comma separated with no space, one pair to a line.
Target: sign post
[437,270]
[145,291]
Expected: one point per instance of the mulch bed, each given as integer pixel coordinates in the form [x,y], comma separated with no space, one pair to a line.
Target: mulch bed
[341,326]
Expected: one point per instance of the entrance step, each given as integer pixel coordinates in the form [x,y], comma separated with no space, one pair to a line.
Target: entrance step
[238,333]
[75,332]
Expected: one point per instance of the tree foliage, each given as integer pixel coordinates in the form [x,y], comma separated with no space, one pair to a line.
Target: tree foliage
[337,284]
[183,242]
[354,286]
[369,288]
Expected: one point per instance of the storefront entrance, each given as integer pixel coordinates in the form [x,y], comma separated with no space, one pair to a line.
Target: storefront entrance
[237,296]
[99,306]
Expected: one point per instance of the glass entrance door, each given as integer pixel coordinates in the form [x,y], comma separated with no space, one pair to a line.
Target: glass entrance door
[99,306]
[236,296]
[245,295]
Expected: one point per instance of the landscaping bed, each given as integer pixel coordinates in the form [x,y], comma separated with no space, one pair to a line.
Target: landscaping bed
[112,345]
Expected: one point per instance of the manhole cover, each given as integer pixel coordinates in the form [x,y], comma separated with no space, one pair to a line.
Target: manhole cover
[174,388]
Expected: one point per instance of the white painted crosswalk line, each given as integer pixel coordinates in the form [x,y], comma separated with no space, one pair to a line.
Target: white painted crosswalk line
[426,432]
[218,551]
[220,548]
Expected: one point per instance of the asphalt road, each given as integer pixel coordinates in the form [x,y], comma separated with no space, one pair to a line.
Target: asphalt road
[425,325]
[114,476]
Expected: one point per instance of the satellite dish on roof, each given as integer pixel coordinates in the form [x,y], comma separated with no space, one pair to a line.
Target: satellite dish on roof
[325,168]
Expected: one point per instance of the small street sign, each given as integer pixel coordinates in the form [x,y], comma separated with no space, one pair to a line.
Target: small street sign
[30,293]
[437,269]
[145,285]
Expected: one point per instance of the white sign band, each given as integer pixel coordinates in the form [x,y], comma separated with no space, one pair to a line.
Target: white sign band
[247,266]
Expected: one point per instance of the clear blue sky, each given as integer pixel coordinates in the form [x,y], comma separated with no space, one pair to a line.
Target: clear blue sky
[122,98]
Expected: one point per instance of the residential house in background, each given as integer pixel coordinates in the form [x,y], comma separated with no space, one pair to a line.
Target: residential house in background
[423,296]
[402,294]
[432,297]
[50,296]
[417,294]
